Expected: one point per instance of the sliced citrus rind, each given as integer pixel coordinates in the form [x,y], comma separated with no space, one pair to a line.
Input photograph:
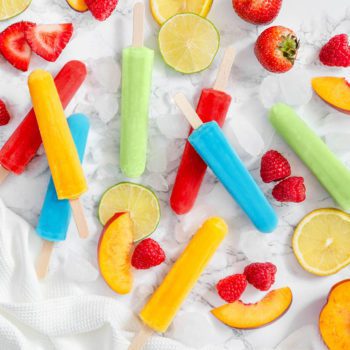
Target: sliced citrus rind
[12,8]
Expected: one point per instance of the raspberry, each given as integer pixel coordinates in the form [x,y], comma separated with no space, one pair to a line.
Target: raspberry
[231,288]
[336,53]
[147,254]
[290,190]
[4,114]
[274,167]
[261,275]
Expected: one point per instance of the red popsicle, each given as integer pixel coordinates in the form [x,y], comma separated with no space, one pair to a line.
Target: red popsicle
[213,105]
[23,144]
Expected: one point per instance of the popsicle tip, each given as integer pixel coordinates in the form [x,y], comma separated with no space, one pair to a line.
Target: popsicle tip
[38,74]
[77,66]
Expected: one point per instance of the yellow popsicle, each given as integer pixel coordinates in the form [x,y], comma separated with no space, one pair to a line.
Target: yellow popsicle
[168,298]
[61,153]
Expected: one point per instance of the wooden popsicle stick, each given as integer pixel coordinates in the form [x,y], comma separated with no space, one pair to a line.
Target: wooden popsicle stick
[138,29]
[79,218]
[225,69]
[3,174]
[43,261]
[141,338]
[188,110]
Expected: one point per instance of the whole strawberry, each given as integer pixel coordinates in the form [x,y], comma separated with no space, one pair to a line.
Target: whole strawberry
[336,53]
[274,167]
[290,190]
[231,288]
[147,254]
[261,275]
[101,9]
[276,49]
[257,11]
[4,114]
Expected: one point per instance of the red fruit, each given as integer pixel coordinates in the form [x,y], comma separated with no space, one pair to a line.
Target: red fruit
[101,9]
[261,275]
[4,114]
[14,47]
[336,53]
[290,190]
[257,11]
[147,254]
[231,288]
[276,49]
[49,40]
[274,167]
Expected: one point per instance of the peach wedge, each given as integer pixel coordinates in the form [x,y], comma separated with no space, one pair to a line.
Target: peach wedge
[334,91]
[114,250]
[78,5]
[334,320]
[249,316]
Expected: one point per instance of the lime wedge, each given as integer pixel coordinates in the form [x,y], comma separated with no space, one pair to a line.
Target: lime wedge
[12,8]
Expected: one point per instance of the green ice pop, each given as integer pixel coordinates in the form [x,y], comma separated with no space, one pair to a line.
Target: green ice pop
[333,175]
[136,88]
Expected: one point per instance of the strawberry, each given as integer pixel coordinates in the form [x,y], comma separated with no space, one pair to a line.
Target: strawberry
[4,114]
[257,11]
[290,190]
[101,9]
[336,53]
[14,47]
[274,167]
[49,40]
[147,254]
[276,49]
[261,275]
[231,288]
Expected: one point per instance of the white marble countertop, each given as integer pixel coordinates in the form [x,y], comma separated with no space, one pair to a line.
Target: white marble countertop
[99,45]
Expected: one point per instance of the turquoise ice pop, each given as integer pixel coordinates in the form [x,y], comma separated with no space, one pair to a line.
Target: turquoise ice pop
[55,214]
[211,144]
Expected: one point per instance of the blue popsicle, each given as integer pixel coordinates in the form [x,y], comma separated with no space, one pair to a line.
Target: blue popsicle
[55,214]
[210,143]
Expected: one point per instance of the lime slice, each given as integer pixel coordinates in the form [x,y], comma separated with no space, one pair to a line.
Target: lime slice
[188,42]
[141,203]
[12,8]
[164,9]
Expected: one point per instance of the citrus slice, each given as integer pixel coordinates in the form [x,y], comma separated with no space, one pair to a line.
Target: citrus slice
[162,10]
[188,42]
[141,203]
[12,8]
[321,241]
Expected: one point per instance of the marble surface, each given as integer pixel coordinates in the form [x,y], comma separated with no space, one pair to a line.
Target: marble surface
[253,90]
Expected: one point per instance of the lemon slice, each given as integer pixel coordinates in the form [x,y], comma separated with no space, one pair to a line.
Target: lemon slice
[12,8]
[188,42]
[141,203]
[321,241]
[164,9]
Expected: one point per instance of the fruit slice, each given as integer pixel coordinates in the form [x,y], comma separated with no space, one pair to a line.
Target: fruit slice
[249,316]
[321,241]
[334,322]
[188,42]
[334,91]
[162,10]
[139,201]
[114,253]
[78,5]
[12,8]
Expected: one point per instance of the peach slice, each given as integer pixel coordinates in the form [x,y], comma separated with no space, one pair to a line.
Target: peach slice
[334,91]
[250,316]
[334,322]
[77,5]
[114,250]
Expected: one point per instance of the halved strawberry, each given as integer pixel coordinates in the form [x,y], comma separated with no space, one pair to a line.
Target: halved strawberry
[14,47]
[4,114]
[101,9]
[49,40]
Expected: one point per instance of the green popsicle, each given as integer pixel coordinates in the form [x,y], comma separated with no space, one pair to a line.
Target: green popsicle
[136,88]
[333,175]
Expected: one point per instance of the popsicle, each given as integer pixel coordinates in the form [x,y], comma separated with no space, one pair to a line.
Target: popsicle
[62,156]
[166,301]
[136,88]
[56,214]
[213,105]
[333,175]
[23,144]
[210,143]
